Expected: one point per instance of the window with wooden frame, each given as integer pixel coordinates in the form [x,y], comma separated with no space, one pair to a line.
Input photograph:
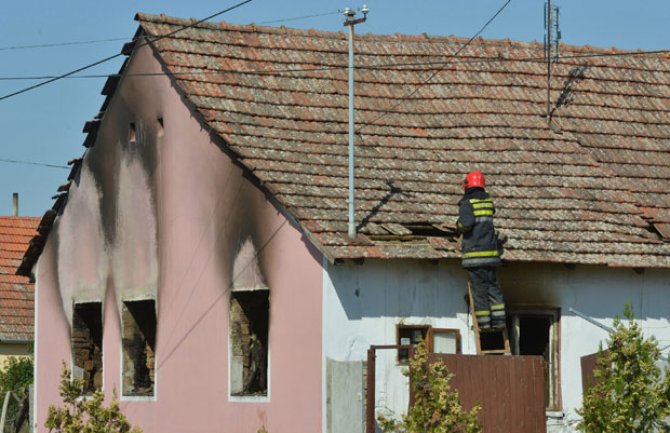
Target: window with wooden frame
[86,338]
[536,332]
[440,340]
[444,340]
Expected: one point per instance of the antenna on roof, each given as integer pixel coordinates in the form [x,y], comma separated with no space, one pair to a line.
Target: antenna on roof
[551,44]
[553,37]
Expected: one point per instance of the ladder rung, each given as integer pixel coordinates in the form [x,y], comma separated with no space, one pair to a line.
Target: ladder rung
[505,350]
[495,352]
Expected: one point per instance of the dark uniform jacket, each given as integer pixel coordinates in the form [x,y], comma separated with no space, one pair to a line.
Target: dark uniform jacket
[475,222]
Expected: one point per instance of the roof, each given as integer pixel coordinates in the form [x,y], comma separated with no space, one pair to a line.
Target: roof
[592,188]
[16,292]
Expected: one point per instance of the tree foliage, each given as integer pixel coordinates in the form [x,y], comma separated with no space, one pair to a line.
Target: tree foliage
[85,414]
[436,408]
[16,374]
[631,394]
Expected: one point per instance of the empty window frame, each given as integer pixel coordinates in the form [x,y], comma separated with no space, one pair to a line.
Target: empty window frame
[139,347]
[410,335]
[440,340]
[248,342]
[536,332]
[87,345]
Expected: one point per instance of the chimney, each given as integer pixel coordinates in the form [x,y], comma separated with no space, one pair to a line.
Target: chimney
[15,204]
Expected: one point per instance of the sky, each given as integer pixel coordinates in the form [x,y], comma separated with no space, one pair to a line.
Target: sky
[44,126]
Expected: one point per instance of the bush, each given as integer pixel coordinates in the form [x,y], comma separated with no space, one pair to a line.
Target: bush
[15,376]
[85,414]
[436,408]
[631,393]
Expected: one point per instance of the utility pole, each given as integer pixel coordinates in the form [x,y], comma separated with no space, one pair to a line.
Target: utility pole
[350,21]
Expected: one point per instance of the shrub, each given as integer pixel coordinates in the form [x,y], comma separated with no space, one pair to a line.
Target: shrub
[631,393]
[436,408]
[85,414]
[15,376]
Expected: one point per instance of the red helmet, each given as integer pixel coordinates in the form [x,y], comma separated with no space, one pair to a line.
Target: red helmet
[474,179]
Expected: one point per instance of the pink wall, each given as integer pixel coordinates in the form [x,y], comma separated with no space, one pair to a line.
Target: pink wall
[163,218]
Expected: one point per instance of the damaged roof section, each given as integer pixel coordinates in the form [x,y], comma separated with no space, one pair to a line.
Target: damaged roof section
[592,188]
[16,292]
[579,196]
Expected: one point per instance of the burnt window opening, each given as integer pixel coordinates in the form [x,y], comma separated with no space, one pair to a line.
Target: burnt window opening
[87,345]
[249,324]
[536,333]
[139,347]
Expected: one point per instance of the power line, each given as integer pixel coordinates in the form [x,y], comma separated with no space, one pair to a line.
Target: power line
[418,87]
[59,44]
[97,41]
[106,59]
[274,71]
[41,164]
[304,17]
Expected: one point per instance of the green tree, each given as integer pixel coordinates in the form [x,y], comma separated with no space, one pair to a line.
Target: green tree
[631,393]
[436,408]
[15,376]
[85,414]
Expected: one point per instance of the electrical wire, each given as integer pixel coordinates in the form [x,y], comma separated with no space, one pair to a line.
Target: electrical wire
[274,71]
[59,44]
[41,164]
[418,87]
[106,59]
[97,41]
[304,17]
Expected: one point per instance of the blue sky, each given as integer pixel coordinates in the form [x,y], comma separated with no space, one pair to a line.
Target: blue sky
[45,125]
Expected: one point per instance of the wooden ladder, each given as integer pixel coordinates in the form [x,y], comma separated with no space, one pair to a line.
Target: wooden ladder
[504,350]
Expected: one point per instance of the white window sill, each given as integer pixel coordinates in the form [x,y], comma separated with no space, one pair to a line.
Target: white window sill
[137,398]
[249,398]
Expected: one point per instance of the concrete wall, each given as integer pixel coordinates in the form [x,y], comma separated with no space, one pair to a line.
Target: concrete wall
[364,303]
[162,213]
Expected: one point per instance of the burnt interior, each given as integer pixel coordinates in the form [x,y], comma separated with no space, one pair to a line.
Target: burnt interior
[534,338]
[249,323]
[87,345]
[139,347]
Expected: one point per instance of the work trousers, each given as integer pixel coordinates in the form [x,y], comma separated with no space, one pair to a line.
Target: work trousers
[487,297]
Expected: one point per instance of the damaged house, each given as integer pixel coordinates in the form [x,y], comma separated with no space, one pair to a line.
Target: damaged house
[198,262]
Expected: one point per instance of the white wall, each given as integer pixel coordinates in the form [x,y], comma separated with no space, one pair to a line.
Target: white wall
[364,302]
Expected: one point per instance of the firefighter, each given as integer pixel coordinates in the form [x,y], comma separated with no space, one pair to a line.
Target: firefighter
[481,251]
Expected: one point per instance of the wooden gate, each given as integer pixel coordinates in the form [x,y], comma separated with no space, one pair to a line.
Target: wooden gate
[509,389]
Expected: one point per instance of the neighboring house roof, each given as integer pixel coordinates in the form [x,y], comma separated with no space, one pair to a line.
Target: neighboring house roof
[591,189]
[16,292]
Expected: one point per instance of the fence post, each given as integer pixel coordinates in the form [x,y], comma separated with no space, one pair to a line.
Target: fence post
[370,397]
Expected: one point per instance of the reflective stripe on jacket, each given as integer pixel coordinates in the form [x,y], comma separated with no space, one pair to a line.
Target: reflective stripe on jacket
[475,221]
